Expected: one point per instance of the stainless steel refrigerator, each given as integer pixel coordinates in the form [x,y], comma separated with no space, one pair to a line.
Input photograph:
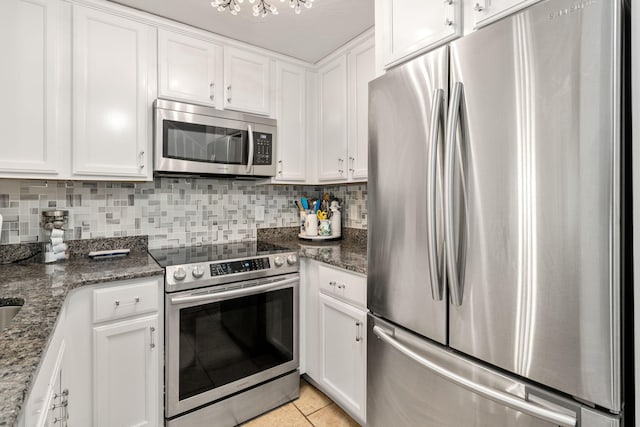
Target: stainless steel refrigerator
[497,281]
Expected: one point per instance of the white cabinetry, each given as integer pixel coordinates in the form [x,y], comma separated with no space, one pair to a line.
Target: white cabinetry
[487,11]
[291,117]
[247,81]
[343,353]
[126,355]
[189,69]
[335,334]
[343,94]
[34,112]
[332,144]
[126,380]
[114,85]
[361,72]
[410,27]
[47,402]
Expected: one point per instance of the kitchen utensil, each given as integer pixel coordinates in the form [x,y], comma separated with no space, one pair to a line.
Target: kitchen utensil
[305,203]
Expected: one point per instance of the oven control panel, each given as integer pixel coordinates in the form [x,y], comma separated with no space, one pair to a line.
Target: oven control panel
[232,267]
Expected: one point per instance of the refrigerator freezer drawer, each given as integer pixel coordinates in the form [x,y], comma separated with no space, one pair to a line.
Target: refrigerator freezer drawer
[414,382]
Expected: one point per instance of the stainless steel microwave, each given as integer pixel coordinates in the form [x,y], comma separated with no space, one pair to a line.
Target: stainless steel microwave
[193,139]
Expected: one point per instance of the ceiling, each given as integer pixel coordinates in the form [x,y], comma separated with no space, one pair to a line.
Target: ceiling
[310,36]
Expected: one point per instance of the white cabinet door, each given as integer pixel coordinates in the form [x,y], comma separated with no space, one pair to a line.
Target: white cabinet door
[361,72]
[247,81]
[187,68]
[114,85]
[126,361]
[34,120]
[332,150]
[291,117]
[487,11]
[343,354]
[410,27]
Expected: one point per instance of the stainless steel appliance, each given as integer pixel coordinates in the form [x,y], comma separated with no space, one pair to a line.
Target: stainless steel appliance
[497,227]
[231,332]
[193,139]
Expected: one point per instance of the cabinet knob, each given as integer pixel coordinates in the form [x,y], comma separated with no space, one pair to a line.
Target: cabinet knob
[478,7]
[448,22]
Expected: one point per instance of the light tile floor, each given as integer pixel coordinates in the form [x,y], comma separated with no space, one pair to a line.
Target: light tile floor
[313,408]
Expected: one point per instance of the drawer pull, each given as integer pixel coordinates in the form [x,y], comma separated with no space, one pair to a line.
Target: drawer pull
[134,302]
[332,283]
[342,286]
[358,335]
[153,344]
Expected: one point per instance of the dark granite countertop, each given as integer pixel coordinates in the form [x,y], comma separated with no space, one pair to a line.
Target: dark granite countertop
[44,288]
[349,252]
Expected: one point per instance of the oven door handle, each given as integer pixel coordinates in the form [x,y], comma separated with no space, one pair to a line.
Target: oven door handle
[217,296]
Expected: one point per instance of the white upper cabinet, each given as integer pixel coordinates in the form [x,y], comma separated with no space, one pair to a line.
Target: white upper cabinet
[114,85]
[361,72]
[34,112]
[188,68]
[247,81]
[291,117]
[487,11]
[332,144]
[410,27]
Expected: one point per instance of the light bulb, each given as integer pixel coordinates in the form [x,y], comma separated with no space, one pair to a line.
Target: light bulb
[308,4]
[233,12]
[220,8]
[255,13]
[297,10]
[240,1]
[252,1]
[292,5]
[236,8]
[274,11]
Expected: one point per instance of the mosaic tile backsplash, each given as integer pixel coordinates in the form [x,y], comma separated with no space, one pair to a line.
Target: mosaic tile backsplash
[171,211]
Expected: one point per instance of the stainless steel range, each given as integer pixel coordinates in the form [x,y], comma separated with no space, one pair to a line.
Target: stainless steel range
[231,332]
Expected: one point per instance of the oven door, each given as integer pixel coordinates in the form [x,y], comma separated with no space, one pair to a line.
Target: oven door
[227,338]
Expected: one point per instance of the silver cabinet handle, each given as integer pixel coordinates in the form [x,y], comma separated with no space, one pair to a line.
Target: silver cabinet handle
[251,148]
[212,91]
[218,296]
[141,159]
[281,167]
[229,94]
[152,331]
[353,164]
[117,303]
[435,135]
[450,149]
[342,286]
[498,396]
[358,334]
[340,170]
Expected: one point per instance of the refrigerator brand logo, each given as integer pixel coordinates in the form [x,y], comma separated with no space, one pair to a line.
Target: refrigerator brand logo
[576,7]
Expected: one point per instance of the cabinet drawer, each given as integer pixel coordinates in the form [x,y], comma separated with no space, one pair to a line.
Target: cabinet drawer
[127,299]
[351,287]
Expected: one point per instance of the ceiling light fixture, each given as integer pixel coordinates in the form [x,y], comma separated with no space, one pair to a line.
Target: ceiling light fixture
[260,7]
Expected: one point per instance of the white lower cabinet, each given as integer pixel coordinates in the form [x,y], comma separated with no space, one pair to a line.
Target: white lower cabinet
[343,353]
[334,327]
[126,361]
[47,403]
[103,364]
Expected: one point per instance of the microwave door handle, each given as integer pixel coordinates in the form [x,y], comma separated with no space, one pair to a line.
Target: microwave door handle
[250,162]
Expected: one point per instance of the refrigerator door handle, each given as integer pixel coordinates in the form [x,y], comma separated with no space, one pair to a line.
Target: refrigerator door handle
[497,396]
[437,120]
[449,163]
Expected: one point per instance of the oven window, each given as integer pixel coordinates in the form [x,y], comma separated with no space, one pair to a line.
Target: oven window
[225,341]
[201,143]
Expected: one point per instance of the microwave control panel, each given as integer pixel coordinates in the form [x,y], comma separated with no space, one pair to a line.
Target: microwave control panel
[263,148]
